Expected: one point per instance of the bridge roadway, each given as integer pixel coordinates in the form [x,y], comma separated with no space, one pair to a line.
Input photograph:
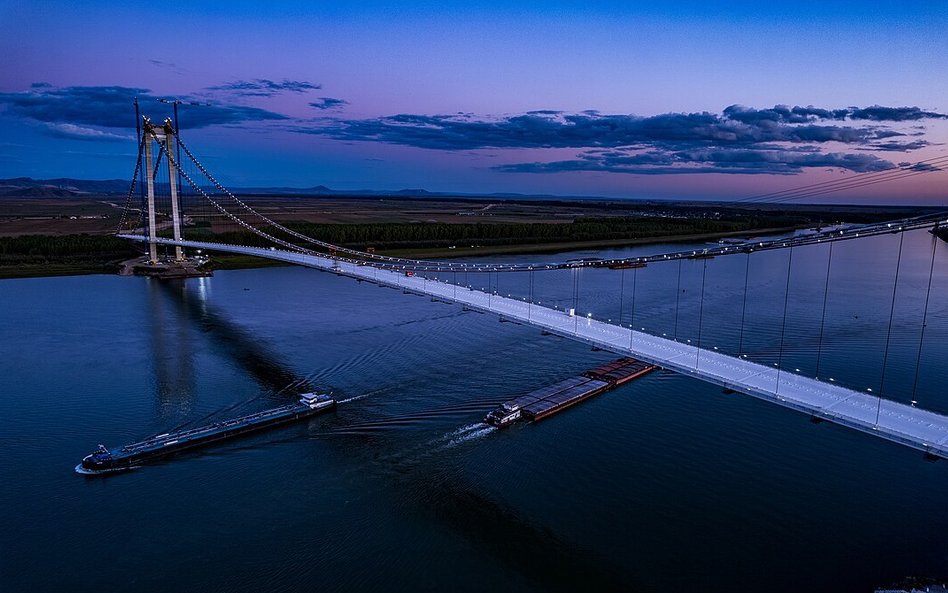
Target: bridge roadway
[914,427]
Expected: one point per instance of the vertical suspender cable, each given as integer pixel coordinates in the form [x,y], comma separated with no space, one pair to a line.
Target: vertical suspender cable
[576,286]
[677,298]
[819,349]
[704,270]
[888,334]
[740,346]
[783,325]
[632,320]
[921,337]
[136,180]
[530,304]
[621,295]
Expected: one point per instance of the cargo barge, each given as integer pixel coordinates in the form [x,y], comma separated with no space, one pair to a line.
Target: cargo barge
[104,461]
[557,397]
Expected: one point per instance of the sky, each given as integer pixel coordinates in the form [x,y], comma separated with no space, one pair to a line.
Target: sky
[663,100]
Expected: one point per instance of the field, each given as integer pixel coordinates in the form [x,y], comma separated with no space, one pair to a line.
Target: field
[71,234]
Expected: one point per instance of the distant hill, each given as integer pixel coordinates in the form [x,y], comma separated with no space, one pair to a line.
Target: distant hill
[65,187]
[40,192]
[27,187]
[62,187]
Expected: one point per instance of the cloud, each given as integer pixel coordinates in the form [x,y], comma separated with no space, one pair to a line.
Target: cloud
[111,107]
[796,115]
[717,160]
[900,146]
[166,65]
[922,167]
[74,132]
[261,87]
[328,103]
[736,126]
[878,113]
[777,140]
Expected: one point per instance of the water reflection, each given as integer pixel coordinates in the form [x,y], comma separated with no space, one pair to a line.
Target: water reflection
[176,310]
[172,348]
[232,340]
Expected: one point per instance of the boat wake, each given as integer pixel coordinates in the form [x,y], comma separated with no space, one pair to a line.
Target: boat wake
[467,433]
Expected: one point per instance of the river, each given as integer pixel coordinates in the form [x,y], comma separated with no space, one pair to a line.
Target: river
[665,484]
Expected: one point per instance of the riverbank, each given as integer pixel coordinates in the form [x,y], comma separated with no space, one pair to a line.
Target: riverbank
[422,229]
[242,262]
[442,253]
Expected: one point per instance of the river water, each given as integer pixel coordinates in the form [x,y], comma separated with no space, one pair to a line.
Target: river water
[665,484]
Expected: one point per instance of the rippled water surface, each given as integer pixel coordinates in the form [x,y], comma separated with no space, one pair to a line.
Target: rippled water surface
[665,484]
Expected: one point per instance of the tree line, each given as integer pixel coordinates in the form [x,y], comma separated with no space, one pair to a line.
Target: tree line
[104,248]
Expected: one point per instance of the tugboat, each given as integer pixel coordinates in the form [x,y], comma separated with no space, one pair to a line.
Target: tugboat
[505,414]
[104,461]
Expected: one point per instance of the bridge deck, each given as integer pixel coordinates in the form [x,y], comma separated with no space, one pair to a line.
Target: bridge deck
[907,425]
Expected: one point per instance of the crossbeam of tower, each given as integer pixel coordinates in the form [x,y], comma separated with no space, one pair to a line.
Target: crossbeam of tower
[164,137]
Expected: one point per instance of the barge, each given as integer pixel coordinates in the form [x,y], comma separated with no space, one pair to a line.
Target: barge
[104,461]
[631,265]
[557,397]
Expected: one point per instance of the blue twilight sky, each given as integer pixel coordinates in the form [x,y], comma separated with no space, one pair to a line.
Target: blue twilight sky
[625,99]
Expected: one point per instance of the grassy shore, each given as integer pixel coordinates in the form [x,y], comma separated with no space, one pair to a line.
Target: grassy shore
[51,267]
[442,253]
[53,237]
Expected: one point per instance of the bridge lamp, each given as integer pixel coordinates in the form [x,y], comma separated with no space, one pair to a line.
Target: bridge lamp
[832,380]
[869,389]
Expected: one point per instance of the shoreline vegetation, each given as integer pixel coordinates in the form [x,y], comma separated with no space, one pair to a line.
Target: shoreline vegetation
[31,256]
[435,230]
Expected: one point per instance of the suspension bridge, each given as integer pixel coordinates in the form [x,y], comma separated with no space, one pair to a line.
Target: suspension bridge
[823,400]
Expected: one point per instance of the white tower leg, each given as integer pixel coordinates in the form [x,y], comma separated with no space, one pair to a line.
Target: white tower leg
[150,180]
[173,181]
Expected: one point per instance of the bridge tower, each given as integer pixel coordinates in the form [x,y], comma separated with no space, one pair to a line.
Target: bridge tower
[163,136]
